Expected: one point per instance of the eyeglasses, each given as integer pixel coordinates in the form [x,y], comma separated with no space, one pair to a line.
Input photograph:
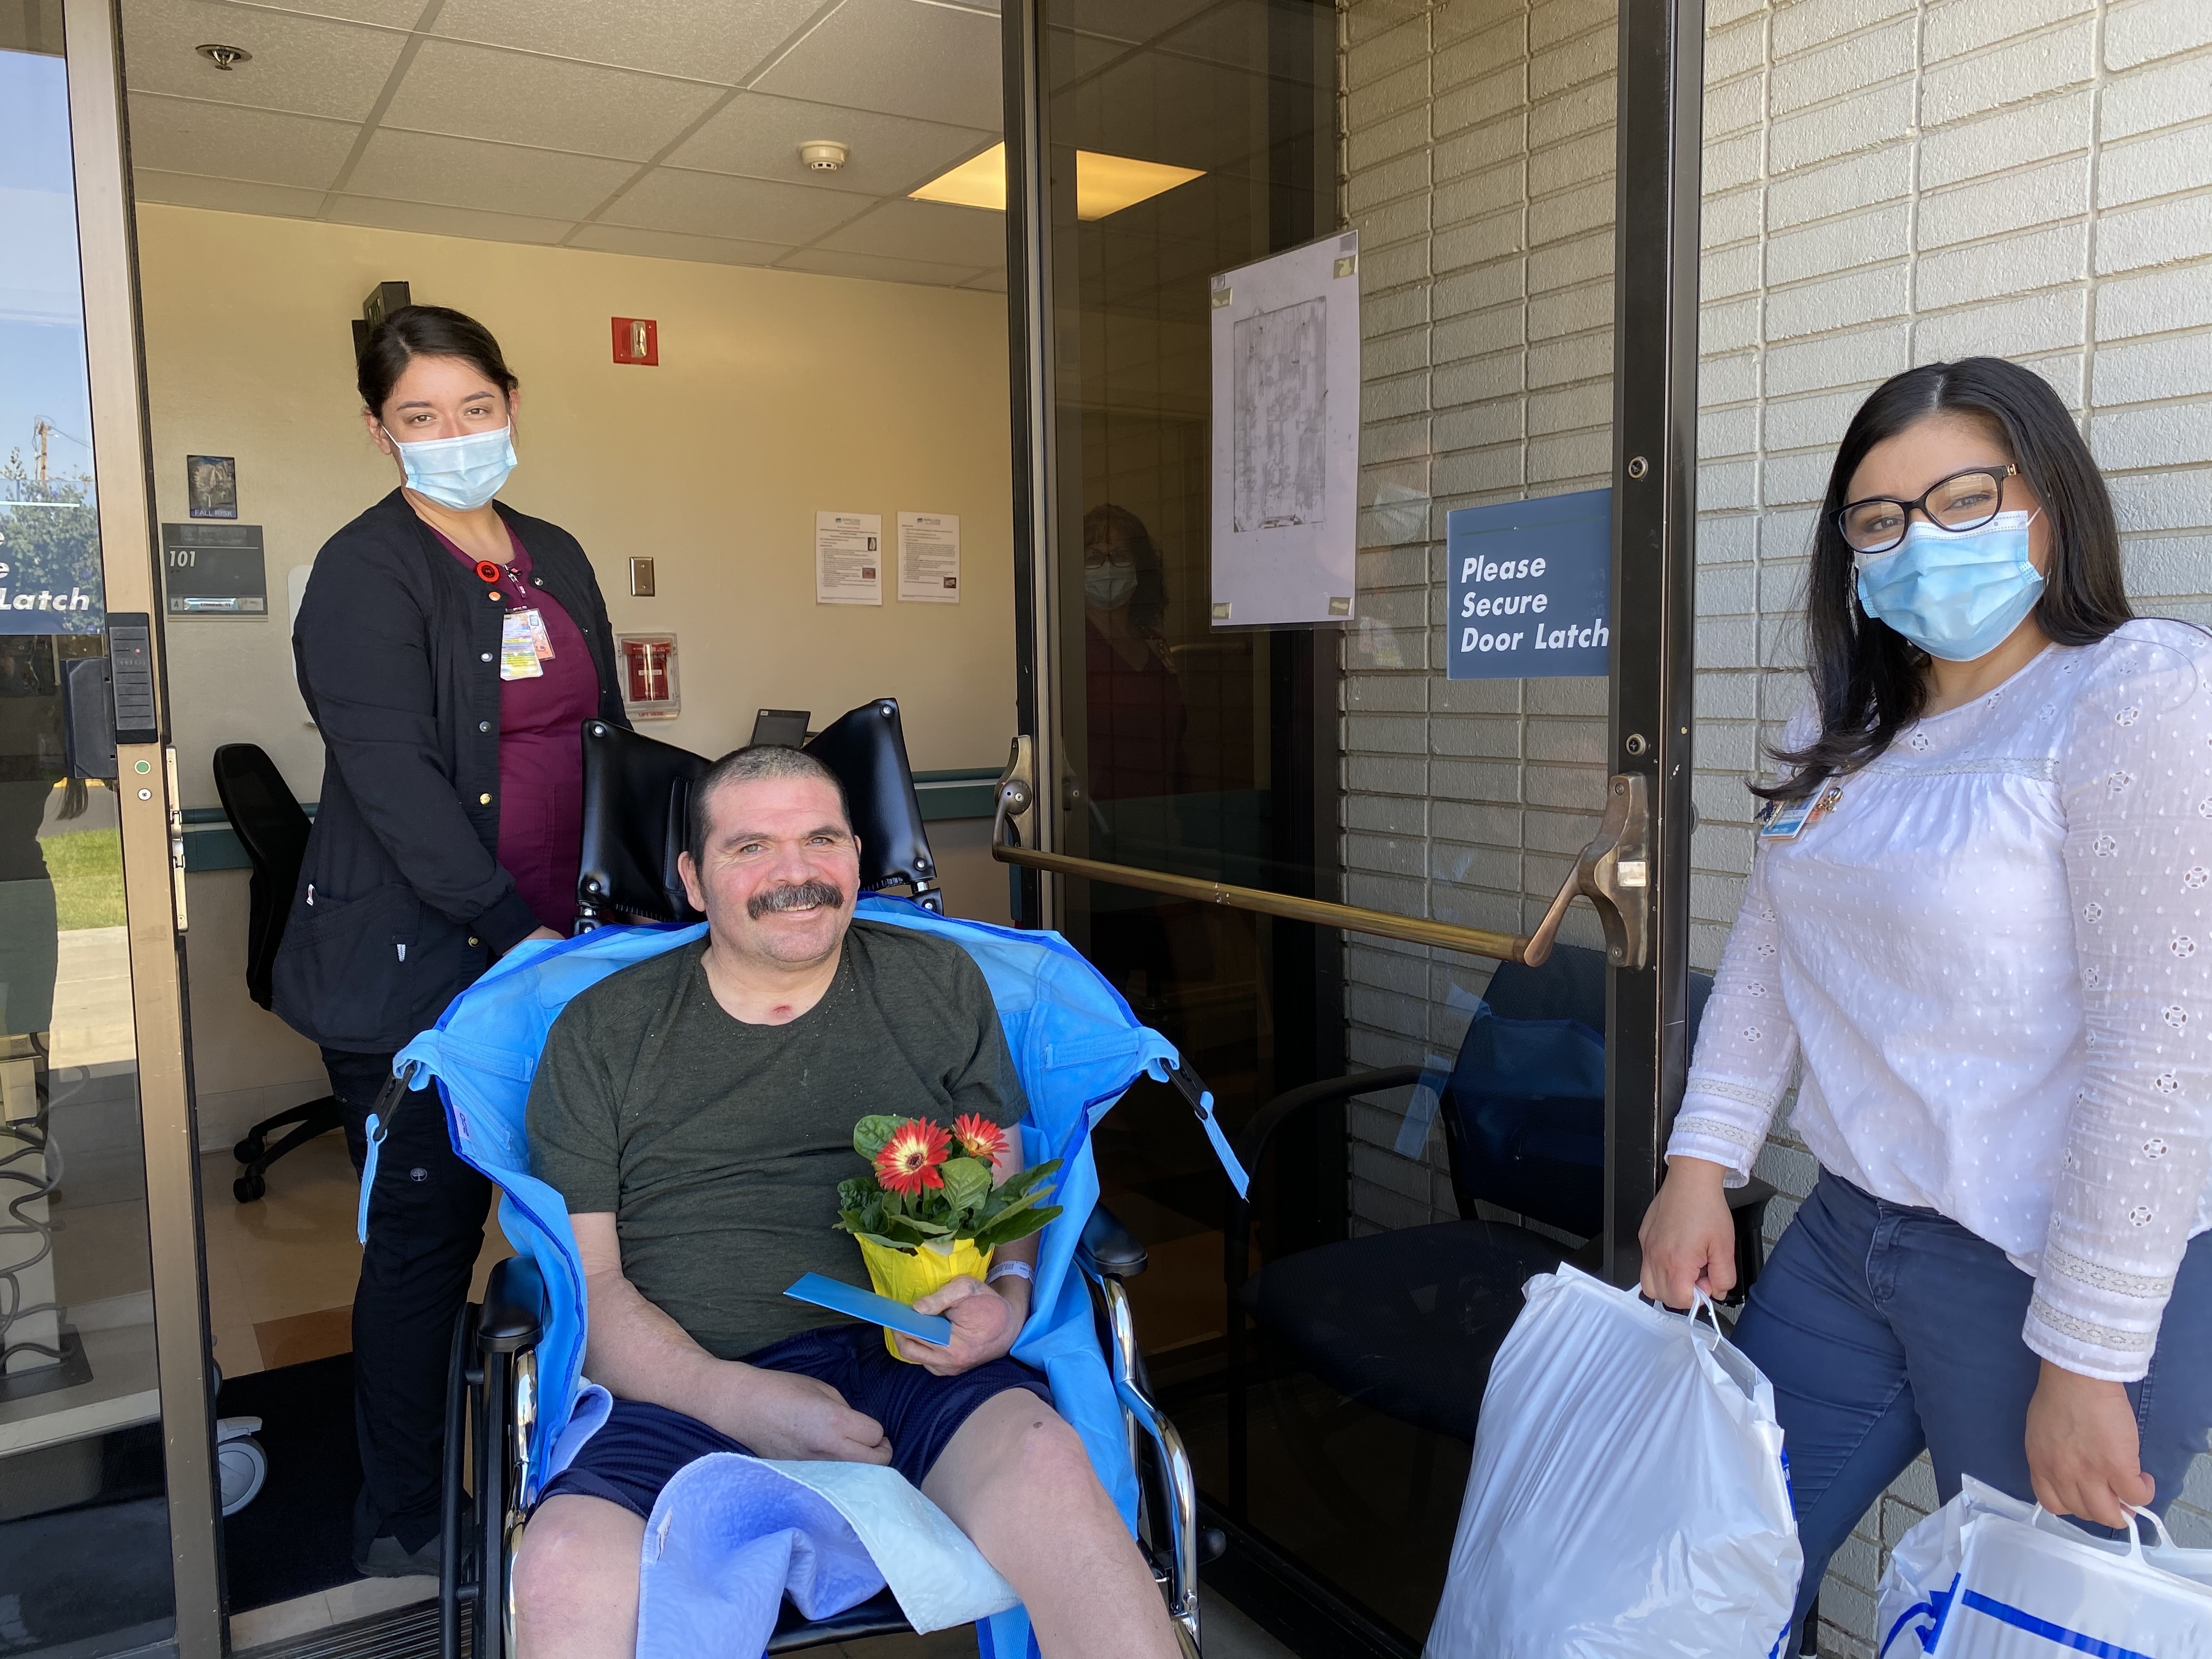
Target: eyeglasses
[1964,501]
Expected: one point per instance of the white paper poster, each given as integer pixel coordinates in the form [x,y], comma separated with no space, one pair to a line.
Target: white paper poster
[1286,436]
[929,557]
[849,558]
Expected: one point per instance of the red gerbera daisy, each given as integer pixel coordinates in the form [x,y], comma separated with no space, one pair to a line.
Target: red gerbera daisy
[909,1161]
[979,1137]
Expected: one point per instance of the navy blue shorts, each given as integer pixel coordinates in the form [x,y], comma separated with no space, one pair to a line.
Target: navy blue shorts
[641,1447]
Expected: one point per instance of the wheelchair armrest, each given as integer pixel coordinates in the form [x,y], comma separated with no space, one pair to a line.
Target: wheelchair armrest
[515,1309]
[1747,1205]
[1752,1195]
[1108,1249]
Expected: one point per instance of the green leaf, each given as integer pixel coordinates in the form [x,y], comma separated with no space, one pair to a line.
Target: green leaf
[922,1226]
[967,1183]
[1017,1223]
[888,1243]
[871,1134]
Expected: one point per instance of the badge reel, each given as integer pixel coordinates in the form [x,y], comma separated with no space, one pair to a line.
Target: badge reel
[1777,822]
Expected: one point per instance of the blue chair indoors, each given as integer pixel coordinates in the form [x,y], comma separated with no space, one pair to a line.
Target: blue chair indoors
[518,1404]
[1405,1322]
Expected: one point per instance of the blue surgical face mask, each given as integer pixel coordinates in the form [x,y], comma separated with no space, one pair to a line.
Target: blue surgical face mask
[462,473]
[1957,594]
[1105,586]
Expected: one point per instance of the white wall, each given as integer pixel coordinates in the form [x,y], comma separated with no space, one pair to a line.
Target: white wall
[1886,182]
[778,394]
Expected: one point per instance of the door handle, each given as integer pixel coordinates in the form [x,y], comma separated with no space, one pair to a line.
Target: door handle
[1614,874]
[1017,805]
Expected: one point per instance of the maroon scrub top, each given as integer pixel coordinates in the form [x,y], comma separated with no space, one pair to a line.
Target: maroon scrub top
[541,751]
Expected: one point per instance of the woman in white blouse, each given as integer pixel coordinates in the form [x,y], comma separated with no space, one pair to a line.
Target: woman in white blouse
[1977,937]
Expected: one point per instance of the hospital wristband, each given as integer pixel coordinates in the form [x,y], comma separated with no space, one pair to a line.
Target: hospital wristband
[1010,1270]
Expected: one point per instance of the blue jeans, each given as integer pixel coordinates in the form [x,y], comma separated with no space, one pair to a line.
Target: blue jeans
[1888,1330]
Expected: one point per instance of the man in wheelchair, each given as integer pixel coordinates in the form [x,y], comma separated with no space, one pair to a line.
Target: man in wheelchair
[696,1111]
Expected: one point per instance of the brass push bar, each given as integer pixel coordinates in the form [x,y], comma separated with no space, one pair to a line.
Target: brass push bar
[1475,941]
[1613,873]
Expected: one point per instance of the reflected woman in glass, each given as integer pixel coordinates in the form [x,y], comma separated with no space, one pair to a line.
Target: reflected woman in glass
[1136,716]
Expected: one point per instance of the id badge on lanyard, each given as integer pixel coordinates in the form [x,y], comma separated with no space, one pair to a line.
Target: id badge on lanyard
[1780,823]
[520,650]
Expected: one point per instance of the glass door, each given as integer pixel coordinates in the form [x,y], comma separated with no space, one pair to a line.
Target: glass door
[1348,844]
[107,1523]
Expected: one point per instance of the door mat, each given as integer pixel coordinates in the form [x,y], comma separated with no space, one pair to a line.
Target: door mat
[296,1537]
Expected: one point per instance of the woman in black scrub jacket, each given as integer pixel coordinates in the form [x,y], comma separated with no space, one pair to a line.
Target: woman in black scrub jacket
[450,650]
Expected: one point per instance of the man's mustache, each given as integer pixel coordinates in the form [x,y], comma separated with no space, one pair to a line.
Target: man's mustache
[798,896]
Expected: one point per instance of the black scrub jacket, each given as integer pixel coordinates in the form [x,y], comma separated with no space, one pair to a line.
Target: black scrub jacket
[402,901]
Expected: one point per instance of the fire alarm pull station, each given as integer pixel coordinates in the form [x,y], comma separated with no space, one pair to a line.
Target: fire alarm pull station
[637,340]
[648,676]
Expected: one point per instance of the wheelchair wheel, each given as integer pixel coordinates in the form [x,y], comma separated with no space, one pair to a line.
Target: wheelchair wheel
[249,1149]
[248,1187]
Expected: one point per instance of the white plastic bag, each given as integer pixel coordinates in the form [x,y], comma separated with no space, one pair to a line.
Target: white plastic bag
[1987,1577]
[1628,1497]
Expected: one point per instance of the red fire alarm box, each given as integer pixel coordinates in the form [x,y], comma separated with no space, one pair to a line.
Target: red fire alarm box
[637,340]
[649,671]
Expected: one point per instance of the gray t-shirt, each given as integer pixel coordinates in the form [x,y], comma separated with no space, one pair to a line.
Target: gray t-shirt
[718,1145]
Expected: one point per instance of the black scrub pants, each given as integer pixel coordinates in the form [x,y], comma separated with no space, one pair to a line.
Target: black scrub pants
[426,1220]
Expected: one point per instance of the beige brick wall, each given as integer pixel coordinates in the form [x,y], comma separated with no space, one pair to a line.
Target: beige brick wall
[1886,182]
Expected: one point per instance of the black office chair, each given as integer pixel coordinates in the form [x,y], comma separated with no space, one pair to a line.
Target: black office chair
[272,827]
[637,797]
[1405,1322]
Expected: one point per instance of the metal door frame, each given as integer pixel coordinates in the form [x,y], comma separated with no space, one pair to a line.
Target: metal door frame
[153,878]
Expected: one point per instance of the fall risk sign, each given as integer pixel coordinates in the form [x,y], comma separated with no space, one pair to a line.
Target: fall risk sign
[1531,582]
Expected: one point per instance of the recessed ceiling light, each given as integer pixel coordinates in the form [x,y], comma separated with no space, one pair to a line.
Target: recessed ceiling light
[1103,184]
[225,59]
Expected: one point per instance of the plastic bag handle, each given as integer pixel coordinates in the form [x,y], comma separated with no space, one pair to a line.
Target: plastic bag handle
[1702,1304]
[2135,1538]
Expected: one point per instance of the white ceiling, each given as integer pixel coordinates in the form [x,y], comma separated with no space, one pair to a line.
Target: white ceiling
[668,128]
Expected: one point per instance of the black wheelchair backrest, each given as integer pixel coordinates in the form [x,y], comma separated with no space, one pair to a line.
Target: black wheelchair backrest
[637,798]
[272,826]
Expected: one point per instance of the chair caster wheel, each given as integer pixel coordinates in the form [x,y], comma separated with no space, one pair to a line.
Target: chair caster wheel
[248,1149]
[248,1187]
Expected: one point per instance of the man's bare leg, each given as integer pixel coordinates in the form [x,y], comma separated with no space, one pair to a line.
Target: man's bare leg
[575,1581]
[1016,1479]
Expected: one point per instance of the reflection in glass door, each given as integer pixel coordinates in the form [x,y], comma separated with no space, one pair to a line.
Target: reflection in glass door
[1327,1377]
[85,1544]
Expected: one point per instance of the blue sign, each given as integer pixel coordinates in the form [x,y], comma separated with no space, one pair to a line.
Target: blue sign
[1531,582]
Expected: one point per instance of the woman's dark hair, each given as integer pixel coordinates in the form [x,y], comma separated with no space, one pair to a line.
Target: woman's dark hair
[1148,606]
[414,332]
[1868,678]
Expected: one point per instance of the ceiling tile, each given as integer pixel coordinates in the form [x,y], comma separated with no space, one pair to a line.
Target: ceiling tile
[224,195]
[436,220]
[467,172]
[474,92]
[392,14]
[925,230]
[900,57]
[759,136]
[823,263]
[669,244]
[993,282]
[716,204]
[719,41]
[1069,57]
[176,135]
[308,65]
[1128,20]
[1236,31]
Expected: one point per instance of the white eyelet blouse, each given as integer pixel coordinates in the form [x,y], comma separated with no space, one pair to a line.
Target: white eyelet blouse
[1994,958]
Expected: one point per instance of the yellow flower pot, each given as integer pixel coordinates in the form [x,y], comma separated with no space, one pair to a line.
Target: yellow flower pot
[909,1275]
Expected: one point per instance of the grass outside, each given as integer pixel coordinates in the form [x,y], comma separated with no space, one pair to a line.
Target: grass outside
[86,867]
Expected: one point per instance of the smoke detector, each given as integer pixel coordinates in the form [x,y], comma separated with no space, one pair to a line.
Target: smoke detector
[823,154]
[225,59]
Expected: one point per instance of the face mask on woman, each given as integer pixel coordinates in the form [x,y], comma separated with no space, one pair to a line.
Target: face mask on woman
[462,473]
[1110,584]
[1957,594]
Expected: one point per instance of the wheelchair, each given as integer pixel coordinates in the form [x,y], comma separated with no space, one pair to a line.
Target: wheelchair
[515,1358]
